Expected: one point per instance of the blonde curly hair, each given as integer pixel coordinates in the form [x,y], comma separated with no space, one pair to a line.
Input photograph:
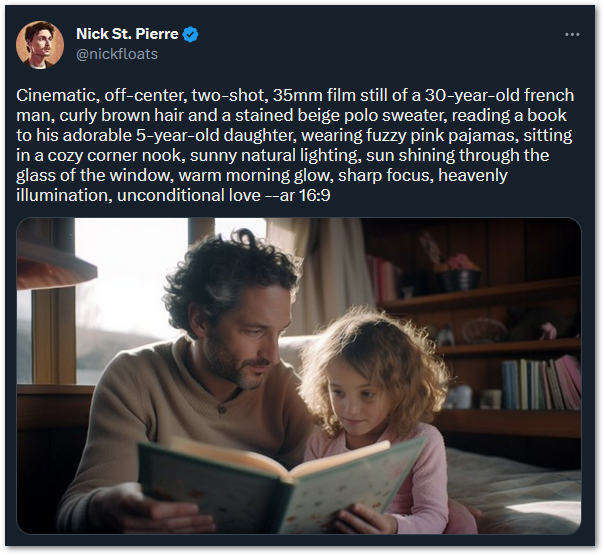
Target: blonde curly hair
[394,355]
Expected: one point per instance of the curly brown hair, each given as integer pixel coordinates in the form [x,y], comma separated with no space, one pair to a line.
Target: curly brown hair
[394,355]
[215,272]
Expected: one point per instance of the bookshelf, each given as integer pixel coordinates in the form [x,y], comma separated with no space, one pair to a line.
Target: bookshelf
[487,295]
[406,308]
[527,423]
[524,262]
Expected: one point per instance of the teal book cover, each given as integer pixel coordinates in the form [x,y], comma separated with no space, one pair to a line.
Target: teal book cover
[249,493]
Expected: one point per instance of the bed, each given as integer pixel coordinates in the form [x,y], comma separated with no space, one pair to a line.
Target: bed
[514,497]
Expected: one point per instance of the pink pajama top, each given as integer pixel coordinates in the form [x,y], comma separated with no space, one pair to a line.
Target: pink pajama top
[420,506]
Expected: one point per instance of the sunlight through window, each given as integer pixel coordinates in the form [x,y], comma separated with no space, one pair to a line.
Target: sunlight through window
[225,226]
[123,307]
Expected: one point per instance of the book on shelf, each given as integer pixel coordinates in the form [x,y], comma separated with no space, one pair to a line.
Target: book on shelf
[541,384]
[555,386]
[546,387]
[574,370]
[509,380]
[247,492]
[386,278]
[570,395]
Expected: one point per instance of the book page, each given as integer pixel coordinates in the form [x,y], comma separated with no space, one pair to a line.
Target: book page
[317,465]
[246,459]
[372,480]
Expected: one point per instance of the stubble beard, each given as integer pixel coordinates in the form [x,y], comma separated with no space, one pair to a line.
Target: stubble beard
[224,364]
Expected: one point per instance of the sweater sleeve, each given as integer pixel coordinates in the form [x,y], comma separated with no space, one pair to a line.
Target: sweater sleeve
[110,456]
[429,513]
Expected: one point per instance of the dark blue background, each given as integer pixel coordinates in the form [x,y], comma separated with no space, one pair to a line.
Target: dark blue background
[312,48]
[306,48]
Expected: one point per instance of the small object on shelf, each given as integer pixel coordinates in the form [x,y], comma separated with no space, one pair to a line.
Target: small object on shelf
[484,330]
[458,262]
[407,292]
[432,332]
[526,324]
[459,397]
[549,331]
[445,337]
[491,399]
[457,273]
[458,280]
[431,248]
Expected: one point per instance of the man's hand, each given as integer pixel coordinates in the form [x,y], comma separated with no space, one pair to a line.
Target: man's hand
[360,519]
[124,508]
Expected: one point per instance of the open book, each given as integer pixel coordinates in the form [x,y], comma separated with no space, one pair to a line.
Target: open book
[249,493]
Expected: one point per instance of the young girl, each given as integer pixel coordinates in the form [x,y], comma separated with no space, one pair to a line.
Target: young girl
[368,378]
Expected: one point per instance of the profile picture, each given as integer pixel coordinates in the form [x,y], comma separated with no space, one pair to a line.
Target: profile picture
[40,45]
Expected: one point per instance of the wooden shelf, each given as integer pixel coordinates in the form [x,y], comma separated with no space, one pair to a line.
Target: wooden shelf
[500,294]
[564,424]
[552,424]
[511,348]
[41,266]
[49,406]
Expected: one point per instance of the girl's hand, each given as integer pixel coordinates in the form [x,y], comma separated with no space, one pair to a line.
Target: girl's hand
[360,519]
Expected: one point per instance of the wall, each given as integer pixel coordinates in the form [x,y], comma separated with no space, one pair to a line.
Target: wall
[52,422]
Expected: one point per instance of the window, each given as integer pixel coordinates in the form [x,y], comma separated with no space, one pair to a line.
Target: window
[225,226]
[24,338]
[123,307]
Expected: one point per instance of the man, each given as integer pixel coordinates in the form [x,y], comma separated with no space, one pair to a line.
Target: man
[38,38]
[221,383]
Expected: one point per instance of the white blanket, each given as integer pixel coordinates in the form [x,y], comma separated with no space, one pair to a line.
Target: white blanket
[515,498]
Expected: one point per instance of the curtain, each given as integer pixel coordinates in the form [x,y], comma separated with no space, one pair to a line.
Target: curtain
[335,274]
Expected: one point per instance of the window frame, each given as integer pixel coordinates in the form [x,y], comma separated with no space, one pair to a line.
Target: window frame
[54,312]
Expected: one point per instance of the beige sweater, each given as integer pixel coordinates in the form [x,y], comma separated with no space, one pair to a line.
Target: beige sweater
[147,394]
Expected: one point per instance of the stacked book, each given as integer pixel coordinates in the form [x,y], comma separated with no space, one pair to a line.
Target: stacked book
[542,384]
[386,278]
